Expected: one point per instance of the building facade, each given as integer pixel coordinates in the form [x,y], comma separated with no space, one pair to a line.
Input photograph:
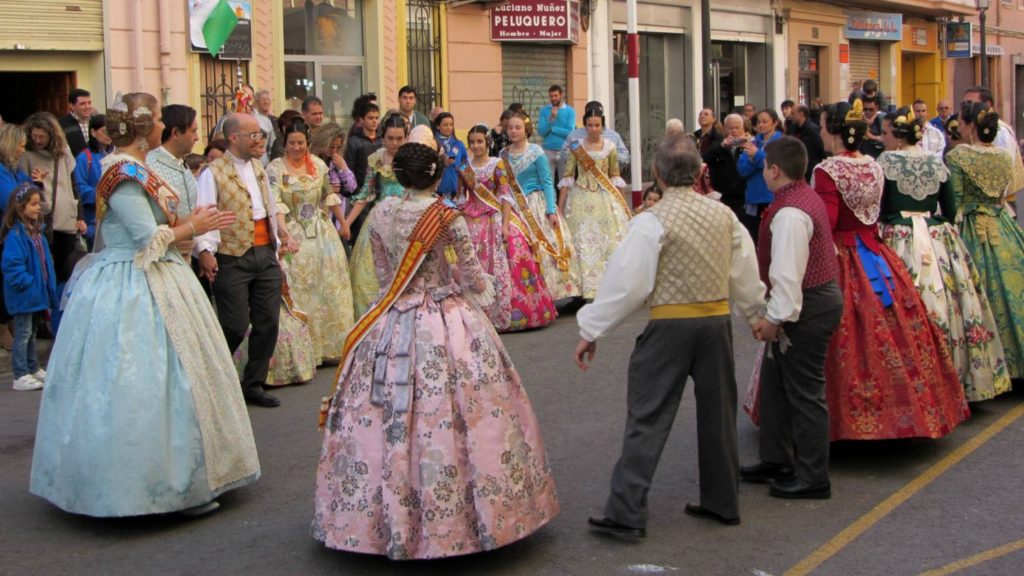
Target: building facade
[461,56]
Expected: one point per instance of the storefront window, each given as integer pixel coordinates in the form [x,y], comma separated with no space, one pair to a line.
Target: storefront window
[808,87]
[324,54]
[662,89]
[323,27]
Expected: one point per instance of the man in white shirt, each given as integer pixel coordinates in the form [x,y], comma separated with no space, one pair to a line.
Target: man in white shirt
[933,140]
[687,257]
[241,260]
[797,260]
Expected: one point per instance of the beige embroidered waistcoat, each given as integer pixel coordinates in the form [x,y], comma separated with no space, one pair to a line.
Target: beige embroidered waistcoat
[233,196]
[696,251]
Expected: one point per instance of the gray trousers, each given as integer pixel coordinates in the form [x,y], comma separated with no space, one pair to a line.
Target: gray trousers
[248,293]
[666,354]
[794,414]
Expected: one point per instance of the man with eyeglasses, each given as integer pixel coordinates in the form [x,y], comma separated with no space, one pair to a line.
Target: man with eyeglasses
[872,144]
[945,109]
[241,260]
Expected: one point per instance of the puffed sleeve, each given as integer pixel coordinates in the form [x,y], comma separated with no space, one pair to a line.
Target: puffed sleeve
[277,178]
[132,207]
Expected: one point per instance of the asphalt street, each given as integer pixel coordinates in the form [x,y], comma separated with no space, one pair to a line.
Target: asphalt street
[954,505]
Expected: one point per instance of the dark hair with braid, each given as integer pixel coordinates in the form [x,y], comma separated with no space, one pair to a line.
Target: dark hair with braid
[984,118]
[846,121]
[904,127]
[417,166]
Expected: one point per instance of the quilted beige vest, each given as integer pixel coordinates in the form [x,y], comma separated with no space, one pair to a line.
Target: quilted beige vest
[696,252]
[233,196]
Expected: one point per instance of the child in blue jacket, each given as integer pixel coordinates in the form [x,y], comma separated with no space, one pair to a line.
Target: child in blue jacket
[30,287]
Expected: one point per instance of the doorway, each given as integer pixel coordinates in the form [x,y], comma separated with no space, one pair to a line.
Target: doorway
[36,91]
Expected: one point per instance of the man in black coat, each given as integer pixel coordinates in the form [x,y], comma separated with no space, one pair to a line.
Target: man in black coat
[76,123]
[810,134]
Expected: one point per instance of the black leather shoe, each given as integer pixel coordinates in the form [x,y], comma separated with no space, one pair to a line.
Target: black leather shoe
[793,488]
[260,398]
[764,472]
[698,511]
[609,526]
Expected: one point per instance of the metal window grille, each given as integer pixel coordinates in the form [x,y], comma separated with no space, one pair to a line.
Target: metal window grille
[220,79]
[423,47]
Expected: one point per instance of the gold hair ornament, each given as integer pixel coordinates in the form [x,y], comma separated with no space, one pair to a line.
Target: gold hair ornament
[855,113]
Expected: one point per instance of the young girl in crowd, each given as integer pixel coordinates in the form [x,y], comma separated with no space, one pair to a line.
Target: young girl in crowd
[452,148]
[499,236]
[652,195]
[30,287]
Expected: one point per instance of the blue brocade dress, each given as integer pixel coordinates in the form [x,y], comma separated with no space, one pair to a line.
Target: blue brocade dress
[142,412]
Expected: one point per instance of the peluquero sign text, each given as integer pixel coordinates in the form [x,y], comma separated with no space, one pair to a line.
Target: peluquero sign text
[536,21]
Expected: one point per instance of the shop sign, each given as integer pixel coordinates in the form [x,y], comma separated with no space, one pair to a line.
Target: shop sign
[958,40]
[990,49]
[536,21]
[874,26]
[239,44]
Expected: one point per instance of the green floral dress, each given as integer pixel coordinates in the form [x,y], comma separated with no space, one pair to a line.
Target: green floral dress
[917,185]
[979,176]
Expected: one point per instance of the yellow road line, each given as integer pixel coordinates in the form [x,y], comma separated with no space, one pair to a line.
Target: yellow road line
[862,524]
[976,559]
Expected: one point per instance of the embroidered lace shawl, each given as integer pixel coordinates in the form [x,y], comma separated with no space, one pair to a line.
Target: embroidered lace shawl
[860,182]
[917,173]
[988,167]
[520,162]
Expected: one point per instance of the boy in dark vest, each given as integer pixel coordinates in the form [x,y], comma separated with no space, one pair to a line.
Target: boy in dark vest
[797,260]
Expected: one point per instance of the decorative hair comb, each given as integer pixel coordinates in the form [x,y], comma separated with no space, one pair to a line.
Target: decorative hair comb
[855,113]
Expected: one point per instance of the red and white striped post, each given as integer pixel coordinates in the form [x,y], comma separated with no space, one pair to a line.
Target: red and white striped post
[633,51]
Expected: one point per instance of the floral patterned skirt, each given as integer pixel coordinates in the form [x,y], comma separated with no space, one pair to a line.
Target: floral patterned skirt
[598,224]
[365,286]
[998,253]
[318,278]
[949,285]
[462,469]
[888,372]
[484,225]
[561,283]
[293,361]
[532,306]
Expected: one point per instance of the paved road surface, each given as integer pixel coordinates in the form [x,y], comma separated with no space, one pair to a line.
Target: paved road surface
[970,507]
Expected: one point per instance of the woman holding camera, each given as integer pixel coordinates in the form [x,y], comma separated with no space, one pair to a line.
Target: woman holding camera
[750,164]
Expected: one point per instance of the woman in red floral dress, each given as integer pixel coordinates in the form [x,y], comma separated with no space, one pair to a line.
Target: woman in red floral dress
[889,373]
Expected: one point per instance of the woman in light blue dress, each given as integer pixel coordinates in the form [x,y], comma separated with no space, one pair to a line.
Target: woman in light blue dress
[533,190]
[142,412]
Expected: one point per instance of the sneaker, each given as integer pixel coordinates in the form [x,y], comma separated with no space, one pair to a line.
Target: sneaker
[26,383]
[40,375]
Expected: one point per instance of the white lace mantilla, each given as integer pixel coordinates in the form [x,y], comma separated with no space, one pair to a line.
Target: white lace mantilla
[917,173]
[860,181]
[520,162]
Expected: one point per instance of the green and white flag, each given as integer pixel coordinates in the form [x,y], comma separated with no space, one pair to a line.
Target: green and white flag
[218,26]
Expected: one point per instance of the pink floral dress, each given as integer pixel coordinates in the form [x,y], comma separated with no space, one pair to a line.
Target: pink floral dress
[522,300]
[431,447]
